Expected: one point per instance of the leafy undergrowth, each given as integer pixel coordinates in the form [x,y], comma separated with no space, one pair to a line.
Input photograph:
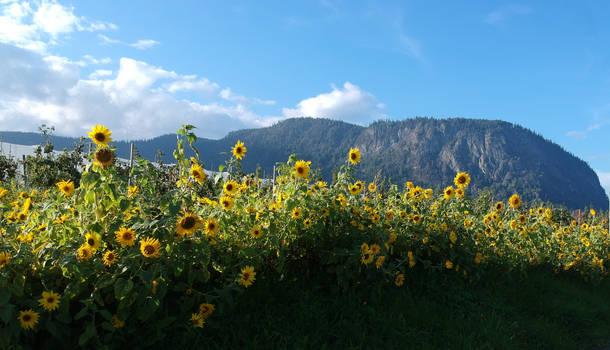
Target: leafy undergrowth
[538,311]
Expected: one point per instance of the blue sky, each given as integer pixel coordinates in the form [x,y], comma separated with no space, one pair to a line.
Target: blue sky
[145,67]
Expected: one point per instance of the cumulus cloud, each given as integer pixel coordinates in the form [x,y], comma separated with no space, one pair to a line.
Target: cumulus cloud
[136,101]
[94,60]
[350,104]
[37,24]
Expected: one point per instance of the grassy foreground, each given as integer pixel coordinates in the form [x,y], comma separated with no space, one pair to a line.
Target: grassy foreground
[538,311]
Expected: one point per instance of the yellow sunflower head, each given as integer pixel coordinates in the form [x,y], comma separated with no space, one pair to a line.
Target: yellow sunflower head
[125,236]
[449,192]
[247,276]
[100,135]
[226,202]
[188,224]
[206,309]
[515,201]
[399,280]
[49,300]
[197,320]
[239,150]
[301,169]
[84,252]
[109,257]
[66,187]
[231,187]
[461,180]
[297,213]
[5,258]
[256,231]
[104,157]
[499,206]
[93,240]
[150,247]
[354,156]
[28,318]
[197,173]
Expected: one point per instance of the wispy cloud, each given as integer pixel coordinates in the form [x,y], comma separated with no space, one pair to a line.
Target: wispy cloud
[505,12]
[408,44]
[228,95]
[140,44]
[582,134]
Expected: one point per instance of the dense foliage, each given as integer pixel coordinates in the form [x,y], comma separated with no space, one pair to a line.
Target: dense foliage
[106,264]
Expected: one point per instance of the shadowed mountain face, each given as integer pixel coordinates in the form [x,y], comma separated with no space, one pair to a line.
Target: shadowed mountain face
[503,157]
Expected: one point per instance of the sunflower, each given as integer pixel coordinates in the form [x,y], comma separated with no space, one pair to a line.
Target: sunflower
[301,169]
[256,231]
[100,135]
[226,202]
[372,187]
[307,222]
[93,240]
[499,206]
[460,192]
[297,213]
[247,276]
[104,157]
[4,259]
[205,310]
[3,192]
[22,216]
[116,322]
[448,264]
[188,224]
[66,187]
[399,280]
[150,247]
[132,191]
[461,180]
[49,301]
[197,320]
[354,156]
[28,318]
[197,173]
[515,201]
[231,187]
[239,151]
[109,257]
[449,192]
[367,257]
[379,262]
[211,226]
[84,252]
[125,236]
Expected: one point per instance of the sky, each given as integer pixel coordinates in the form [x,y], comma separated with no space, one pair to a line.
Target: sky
[144,68]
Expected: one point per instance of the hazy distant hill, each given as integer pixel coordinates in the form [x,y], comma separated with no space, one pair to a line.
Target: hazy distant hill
[501,156]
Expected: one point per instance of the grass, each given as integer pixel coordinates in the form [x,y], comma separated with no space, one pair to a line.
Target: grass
[539,311]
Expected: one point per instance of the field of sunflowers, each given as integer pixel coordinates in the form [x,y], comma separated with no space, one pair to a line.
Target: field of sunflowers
[115,260]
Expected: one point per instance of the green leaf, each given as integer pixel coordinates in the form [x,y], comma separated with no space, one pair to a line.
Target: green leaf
[5,296]
[146,277]
[106,314]
[221,168]
[82,313]
[89,333]
[124,204]
[122,287]
[89,197]
[6,313]
[110,190]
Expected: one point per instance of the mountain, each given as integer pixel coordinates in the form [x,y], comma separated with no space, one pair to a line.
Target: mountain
[503,157]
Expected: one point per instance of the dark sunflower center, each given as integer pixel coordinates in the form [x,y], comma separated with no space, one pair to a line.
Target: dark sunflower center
[188,222]
[354,156]
[238,150]
[91,241]
[110,257]
[50,300]
[66,188]
[127,236]
[204,309]
[300,170]
[229,187]
[211,226]
[149,250]
[26,318]
[104,156]
[100,137]
[462,179]
[246,276]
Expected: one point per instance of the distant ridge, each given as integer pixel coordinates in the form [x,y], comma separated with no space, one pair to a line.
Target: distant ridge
[503,157]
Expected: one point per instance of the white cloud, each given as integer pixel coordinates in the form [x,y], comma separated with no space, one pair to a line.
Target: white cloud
[350,104]
[37,24]
[140,44]
[230,96]
[504,12]
[94,60]
[134,102]
[189,83]
[604,179]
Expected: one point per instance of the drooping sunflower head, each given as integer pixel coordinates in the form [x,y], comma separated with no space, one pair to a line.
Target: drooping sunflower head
[188,224]
[301,169]
[66,187]
[515,201]
[399,280]
[28,318]
[104,157]
[150,247]
[49,300]
[226,202]
[93,240]
[125,236]
[354,156]
[197,173]
[211,226]
[256,231]
[239,150]
[100,135]
[461,180]
[206,309]
[84,252]
[109,257]
[247,276]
